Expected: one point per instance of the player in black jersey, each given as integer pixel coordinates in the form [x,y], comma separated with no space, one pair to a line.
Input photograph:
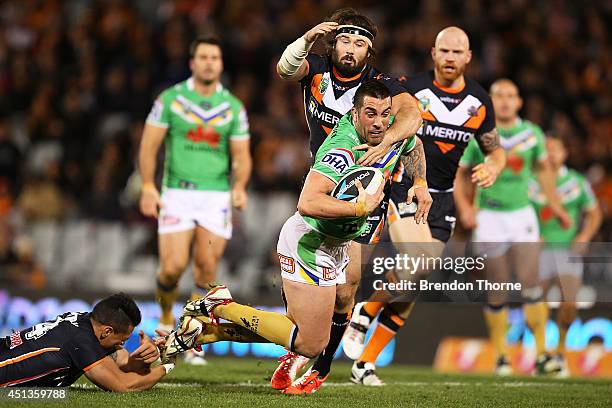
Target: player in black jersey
[57,352]
[455,109]
[329,83]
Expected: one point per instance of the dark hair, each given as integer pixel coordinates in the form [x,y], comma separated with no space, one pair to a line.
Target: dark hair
[350,16]
[373,88]
[554,136]
[203,39]
[118,311]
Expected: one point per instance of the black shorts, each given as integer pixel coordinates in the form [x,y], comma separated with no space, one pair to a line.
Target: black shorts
[441,217]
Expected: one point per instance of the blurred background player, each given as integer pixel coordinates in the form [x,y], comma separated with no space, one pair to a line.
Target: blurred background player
[505,224]
[57,352]
[205,128]
[329,83]
[559,259]
[455,109]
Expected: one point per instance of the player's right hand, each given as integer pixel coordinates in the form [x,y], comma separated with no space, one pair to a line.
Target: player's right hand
[484,175]
[150,202]
[369,202]
[468,218]
[320,30]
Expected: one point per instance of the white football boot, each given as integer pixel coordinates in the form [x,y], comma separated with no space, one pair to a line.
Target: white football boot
[353,341]
[204,307]
[182,339]
[365,375]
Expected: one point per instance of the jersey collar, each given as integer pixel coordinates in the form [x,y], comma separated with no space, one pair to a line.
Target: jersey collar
[340,78]
[563,171]
[191,86]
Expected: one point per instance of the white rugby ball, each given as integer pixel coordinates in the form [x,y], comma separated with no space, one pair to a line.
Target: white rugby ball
[370,178]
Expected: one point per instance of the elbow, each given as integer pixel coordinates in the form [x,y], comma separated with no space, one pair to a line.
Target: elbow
[303,208]
[279,71]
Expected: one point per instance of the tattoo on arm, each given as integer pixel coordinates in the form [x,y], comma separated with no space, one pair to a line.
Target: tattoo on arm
[488,141]
[414,161]
[114,356]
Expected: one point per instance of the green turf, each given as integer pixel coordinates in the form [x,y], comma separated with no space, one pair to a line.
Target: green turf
[244,383]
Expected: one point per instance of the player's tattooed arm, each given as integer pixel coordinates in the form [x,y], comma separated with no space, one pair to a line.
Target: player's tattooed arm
[488,141]
[415,165]
[414,161]
[485,174]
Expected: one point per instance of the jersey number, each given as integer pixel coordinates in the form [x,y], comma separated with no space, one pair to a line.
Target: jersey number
[41,329]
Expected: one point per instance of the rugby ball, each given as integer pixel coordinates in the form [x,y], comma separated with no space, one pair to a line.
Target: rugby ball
[370,178]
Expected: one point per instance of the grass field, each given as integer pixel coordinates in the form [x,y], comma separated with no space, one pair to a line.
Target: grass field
[228,382]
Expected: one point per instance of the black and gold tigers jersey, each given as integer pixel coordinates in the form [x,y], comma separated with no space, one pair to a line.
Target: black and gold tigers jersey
[451,118]
[50,354]
[328,95]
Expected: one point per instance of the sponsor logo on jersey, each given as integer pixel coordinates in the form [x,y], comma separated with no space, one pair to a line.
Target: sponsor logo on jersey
[15,339]
[204,135]
[287,264]
[321,115]
[329,274]
[442,132]
[169,220]
[338,160]
[448,99]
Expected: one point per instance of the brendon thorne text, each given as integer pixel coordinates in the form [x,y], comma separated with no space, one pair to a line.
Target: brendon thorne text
[424,285]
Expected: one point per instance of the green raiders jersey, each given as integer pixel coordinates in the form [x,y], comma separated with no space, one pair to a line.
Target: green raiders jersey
[200,129]
[524,145]
[576,196]
[336,158]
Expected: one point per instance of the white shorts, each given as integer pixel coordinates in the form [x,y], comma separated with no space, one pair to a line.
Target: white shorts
[497,230]
[183,210]
[307,256]
[560,261]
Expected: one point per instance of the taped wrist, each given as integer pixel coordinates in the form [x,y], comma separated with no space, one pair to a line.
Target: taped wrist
[293,56]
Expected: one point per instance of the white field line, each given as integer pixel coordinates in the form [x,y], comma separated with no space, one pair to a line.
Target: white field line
[509,384]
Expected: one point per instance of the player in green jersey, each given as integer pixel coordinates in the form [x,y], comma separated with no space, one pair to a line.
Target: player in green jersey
[563,244]
[312,245]
[204,127]
[505,225]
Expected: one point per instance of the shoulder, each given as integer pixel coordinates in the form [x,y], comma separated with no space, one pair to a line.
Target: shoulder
[232,99]
[415,83]
[172,91]
[533,127]
[474,88]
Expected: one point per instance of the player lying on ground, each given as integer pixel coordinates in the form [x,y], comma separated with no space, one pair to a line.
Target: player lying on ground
[329,83]
[312,248]
[455,109]
[505,224]
[563,247]
[57,352]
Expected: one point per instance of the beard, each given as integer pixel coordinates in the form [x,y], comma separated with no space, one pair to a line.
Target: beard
[450,76]
[343,67]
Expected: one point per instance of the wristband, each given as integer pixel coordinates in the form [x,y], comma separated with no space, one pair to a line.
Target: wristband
[360,209]
[293,56]
[419,182]
[168,367]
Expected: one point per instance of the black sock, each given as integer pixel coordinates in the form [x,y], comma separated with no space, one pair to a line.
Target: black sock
[324,361]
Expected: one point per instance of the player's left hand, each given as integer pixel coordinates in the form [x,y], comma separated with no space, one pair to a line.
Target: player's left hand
[373,153]
[423,199]
[239,198]
[147,353]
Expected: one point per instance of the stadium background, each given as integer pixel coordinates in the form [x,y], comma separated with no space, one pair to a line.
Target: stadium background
[78,77]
